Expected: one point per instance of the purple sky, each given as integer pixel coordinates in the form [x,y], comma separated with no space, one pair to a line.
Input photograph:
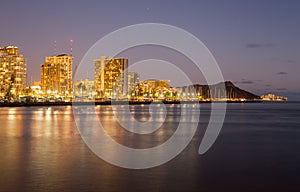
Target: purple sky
[256,43]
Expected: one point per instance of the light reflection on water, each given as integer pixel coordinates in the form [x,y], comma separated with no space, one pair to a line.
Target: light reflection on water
[41,150]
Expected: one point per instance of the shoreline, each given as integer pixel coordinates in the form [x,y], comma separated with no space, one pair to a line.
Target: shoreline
[124,103]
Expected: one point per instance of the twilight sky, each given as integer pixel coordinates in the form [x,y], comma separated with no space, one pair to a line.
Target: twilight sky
[256,43]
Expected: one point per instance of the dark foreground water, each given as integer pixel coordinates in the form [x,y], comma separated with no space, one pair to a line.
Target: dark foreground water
[257,150]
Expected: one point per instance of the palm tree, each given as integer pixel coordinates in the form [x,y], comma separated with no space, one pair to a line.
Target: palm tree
[12,81]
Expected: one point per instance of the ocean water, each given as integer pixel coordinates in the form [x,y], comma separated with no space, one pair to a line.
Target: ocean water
[256,150]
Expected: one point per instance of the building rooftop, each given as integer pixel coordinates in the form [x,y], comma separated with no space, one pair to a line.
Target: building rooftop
[9,47]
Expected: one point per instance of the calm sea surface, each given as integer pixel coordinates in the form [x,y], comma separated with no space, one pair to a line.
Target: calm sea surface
[258,149]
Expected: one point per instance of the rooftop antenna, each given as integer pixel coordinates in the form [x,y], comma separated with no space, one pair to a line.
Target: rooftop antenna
[55,47]
[71,46]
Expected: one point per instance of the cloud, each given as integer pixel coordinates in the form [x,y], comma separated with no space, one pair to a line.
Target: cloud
[281,89]
[259,45]
[244,81]
[282,73]
[253,45]
[268,85]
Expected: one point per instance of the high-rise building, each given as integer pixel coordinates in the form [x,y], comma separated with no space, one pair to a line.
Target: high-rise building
[56,76]
[133,80]
[12,72]
[111,77]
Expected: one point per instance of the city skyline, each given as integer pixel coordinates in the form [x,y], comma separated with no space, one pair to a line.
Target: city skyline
[255,43]
[112,81]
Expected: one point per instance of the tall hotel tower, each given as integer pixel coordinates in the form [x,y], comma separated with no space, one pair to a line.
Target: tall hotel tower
[56,76]
[111,77]
[12,72]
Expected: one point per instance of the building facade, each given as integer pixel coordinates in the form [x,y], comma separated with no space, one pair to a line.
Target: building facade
[110,77]
[153,89]
[133,80]
[56,76]
[13,72]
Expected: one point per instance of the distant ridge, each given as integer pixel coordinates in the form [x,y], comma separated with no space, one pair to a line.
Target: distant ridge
[216,90]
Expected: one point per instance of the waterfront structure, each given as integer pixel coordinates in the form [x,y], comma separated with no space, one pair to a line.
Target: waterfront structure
[12,72]
[157,88]
[154,89]
[273,97]
[154,84]
[110,76]
[84,89]
[36,91]
[56,76]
